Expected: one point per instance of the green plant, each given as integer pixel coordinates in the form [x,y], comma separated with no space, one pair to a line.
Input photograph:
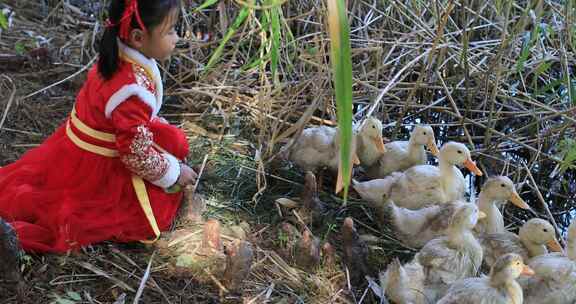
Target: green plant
[242,15]
[568,152]
[3,21]
[71,297]
[341,61]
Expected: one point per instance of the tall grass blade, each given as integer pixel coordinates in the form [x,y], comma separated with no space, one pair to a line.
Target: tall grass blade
[244,13]
[276,37]
[206,4]
[528,44]
[3,21]
[341,62]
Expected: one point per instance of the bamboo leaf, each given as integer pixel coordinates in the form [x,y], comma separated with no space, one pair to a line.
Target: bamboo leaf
[244,13]
[341,62]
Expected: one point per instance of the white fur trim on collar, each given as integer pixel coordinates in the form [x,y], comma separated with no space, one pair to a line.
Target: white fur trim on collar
[148,63]
[130,90]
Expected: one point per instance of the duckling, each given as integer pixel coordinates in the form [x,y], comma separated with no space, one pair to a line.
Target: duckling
[457,255]
[416,227]
[370,142]
[318,148]
[554,281]
[425,185]
[499,288]
[355,252]
[10,254]
[496,189]
[401,155]
[404,284]
[376,192]
[530,241]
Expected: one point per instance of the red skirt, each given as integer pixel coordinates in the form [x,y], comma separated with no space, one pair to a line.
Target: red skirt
[59,197]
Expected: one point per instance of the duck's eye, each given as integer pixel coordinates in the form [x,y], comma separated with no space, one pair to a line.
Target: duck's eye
[502,185]
[459,151]
[424,133]
[373,127]
[545,230]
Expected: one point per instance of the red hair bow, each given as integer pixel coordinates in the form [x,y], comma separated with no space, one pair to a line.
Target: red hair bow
[130,9]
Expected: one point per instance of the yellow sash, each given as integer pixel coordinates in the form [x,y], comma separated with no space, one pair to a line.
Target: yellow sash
[137,182]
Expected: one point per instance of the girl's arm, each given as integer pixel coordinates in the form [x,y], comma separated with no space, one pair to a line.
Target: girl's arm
[134,141]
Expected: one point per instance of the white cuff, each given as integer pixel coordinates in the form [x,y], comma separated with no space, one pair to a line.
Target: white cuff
[171,175]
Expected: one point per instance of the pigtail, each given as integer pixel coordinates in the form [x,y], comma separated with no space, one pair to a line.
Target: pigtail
[108,60]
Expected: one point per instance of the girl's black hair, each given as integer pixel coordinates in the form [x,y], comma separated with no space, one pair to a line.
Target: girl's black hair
[152,13]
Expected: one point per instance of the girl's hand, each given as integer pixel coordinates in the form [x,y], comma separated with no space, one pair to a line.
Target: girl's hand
[187,176]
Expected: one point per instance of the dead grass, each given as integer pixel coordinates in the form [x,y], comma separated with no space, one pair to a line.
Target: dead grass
[468,68]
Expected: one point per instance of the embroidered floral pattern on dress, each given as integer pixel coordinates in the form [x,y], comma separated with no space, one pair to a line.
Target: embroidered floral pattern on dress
[143,159]
[142,78]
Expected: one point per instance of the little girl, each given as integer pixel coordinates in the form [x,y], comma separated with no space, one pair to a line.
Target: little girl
[104,174]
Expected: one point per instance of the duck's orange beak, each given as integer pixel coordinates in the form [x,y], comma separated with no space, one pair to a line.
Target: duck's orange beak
[470,165]
[379,143]
[431,145]
[527,271]
[554,245]
[518,201]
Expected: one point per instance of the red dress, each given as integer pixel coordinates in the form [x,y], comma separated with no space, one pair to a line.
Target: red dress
[102,174]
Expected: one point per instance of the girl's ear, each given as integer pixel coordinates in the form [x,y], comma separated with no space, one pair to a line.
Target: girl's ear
[137,38]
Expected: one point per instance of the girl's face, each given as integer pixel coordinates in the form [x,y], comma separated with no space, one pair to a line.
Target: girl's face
[160,41]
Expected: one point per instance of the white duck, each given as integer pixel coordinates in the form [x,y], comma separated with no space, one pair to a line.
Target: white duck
[496,189]
[319,148]
[404,283]
[401,155]
[499,288]
[424,185]
[370,145]
[555,278]
[416,227]
[530,242]
[457,255]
